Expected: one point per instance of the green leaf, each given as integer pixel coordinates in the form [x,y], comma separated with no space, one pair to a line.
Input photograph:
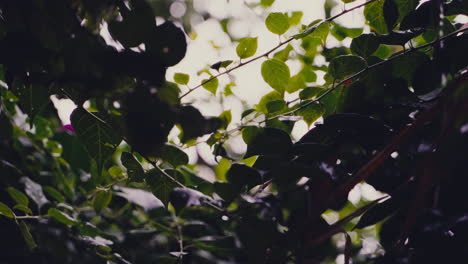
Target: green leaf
[18,196]
[102,200]
[266,141]
[340,32]
[284,53]
[6,211]
[115,172]
[160,185]
[296,83]
[134,169]
[226,118]
[276,106]
[277,23]
[309,74]
[311,113]
[390,10]
[405,7]
[172,154]
[374,14]
[246,47]
[62,217]
[321,32]
[364,45]
[242,175]
[276,74]
[295,18]
[23,208]
[271,96]
[378,213]
[54,194]
[405,66]
[169,93]
[346,65]
[267,3]
[211,86]
[310,92]
[181,78]
[28,238]
[98,138]
[221,64]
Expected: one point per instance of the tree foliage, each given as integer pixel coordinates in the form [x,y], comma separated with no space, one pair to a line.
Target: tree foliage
[117,185]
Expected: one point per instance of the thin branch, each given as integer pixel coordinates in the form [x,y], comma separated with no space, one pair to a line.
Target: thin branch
[165,174]
[29,217]
[303,34]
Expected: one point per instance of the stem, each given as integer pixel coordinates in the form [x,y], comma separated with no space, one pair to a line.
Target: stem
[163,172]
[310,30]
[29,217]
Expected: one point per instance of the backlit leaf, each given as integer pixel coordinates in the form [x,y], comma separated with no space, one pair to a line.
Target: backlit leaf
[276,74]
[277,23]
[246,47]
[375,16]
[181,78]
[97,136]
[211,86]
[364,45]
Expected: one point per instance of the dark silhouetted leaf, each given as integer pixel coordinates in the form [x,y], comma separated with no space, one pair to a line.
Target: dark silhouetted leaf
[134,170]
[160,185]
[172,154]
[266,141]
[390,11]
[346,65]
[364,45]
[374,13]
[97,136]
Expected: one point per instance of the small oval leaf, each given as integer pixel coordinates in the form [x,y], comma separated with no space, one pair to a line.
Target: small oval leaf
[62,217]
[277,23]
[276,73]
[247,47]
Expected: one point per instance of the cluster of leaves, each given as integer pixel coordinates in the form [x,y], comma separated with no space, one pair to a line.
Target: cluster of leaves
[113,186]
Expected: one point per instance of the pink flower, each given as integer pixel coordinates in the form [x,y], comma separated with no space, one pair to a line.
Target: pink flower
[67,128]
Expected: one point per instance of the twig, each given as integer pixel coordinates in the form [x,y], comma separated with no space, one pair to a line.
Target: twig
[303,34]
[29,217]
